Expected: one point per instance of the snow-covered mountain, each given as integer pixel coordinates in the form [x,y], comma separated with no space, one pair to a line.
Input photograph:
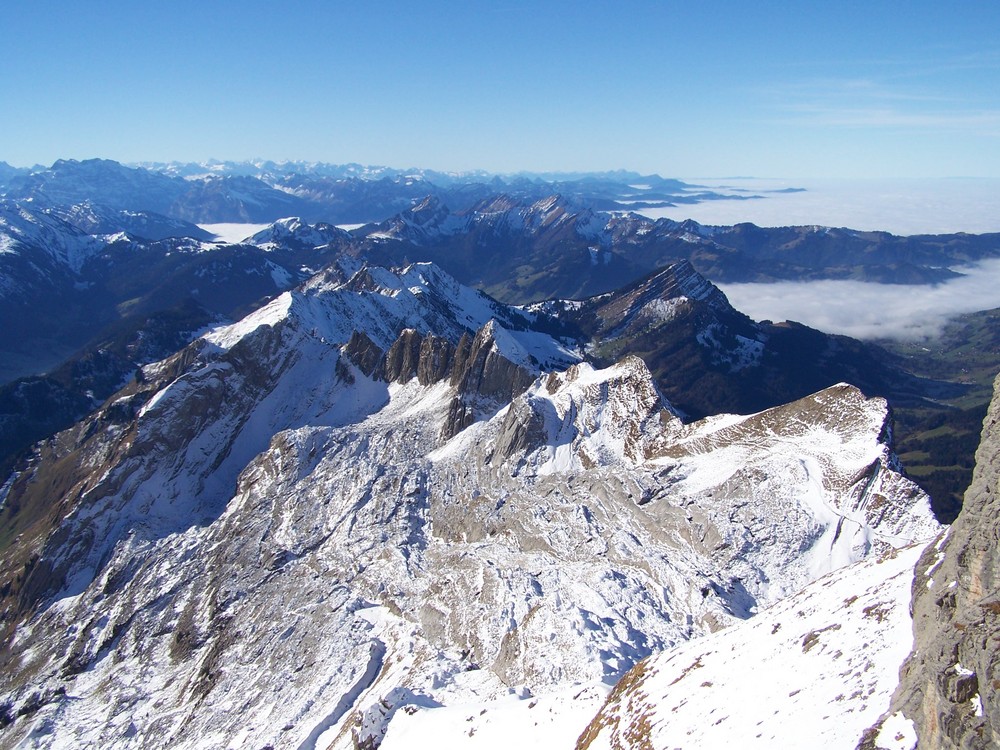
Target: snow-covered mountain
[384,506]
[293,232]
[263,191]
[384,492]
[101,181]
[27,229]
[553,228]
[72,274]
[500,216]
[97,220]
[842,663]
[707,357]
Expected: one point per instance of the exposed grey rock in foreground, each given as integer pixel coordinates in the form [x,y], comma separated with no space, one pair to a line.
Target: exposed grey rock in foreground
[949,685]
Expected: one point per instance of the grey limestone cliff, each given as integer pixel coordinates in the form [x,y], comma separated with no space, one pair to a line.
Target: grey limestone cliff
[950,684]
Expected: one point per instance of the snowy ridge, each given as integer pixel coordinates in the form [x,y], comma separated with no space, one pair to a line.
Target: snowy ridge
[822,460]
[429,220]
[382,303]
[593,416]
[21,227]
[505,215]
[292,231]
[426,221]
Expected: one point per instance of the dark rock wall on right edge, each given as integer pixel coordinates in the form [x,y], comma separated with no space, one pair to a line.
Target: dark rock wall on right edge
[950,683]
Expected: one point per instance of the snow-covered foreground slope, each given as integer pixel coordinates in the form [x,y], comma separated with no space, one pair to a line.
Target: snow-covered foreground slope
[814,671]
[272,541]
[810,672]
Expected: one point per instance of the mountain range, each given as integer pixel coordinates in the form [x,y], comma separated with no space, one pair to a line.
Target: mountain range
[514,470]
[95,289]
[265,191]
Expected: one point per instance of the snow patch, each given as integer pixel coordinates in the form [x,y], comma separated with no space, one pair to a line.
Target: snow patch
[551,720]
[897,733]
[270,314]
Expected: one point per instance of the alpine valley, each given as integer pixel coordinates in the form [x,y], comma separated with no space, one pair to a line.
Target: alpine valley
[491,462]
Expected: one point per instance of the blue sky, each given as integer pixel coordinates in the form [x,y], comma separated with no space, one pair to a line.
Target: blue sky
[684,89]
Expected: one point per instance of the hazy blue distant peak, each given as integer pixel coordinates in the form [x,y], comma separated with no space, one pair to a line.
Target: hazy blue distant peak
[266,167]
[7,172]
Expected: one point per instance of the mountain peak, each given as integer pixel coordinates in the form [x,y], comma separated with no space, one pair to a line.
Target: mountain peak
[292,231]
[680,279]
[662,296]
[585,417]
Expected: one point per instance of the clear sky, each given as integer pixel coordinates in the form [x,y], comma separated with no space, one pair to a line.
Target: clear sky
[689,89]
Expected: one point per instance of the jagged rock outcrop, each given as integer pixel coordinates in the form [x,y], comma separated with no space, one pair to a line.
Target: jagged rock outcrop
[480,372]
[428,358]
[403,357]
[435,359]
[483,375]
[364,353]
[950,685]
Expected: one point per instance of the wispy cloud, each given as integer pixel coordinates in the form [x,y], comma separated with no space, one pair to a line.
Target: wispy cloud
[910,96]
[869,311]
[850,89]
[883,116]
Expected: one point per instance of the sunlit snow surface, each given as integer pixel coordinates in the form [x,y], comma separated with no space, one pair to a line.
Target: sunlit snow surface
[552,721]
[66,244]
[814,671]
[391,301]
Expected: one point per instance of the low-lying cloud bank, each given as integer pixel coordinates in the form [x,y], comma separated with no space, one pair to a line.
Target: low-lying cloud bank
[932,206]
[868,311]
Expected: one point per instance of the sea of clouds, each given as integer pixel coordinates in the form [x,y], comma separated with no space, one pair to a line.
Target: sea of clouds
[853,308]
[867,311]
[938,206]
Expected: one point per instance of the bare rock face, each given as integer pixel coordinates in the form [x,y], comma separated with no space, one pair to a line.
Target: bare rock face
[435,359]
[364,353]
[949,684]
[482,375]
[427,358]
[403,357]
